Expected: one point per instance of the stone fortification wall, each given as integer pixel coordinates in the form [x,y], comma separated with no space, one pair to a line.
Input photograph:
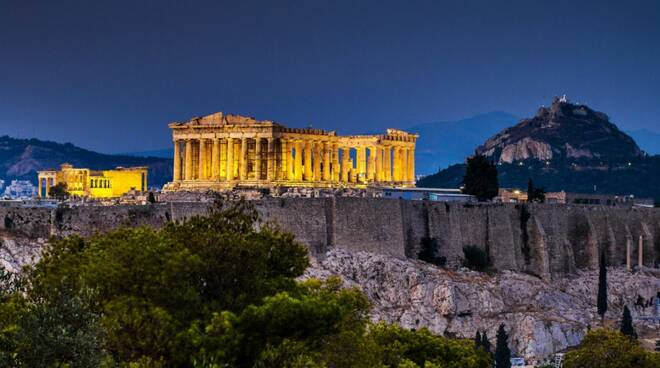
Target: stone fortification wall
[546,240]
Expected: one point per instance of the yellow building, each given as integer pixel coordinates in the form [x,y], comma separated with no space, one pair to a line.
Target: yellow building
[93,183]
[223,151]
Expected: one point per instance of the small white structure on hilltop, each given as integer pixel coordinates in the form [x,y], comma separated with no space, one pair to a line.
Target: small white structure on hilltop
[20,189]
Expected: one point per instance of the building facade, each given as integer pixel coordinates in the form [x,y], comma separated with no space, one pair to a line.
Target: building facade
[83,182]
[223,151]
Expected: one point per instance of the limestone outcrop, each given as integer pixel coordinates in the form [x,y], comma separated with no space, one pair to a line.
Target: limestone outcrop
[542,317]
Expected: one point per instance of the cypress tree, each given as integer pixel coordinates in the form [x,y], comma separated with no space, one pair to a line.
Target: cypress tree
[602,289]
[502,351]
[485,344]
[477,340]
[627,325]
[480,178]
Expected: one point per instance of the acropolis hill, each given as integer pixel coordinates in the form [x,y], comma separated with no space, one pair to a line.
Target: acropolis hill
[224,151]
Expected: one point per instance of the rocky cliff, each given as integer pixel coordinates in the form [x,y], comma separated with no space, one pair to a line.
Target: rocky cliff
[544,257]
[542,317]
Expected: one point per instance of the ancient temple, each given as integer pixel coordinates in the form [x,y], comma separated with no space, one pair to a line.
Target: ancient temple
[223,151]
[83,182]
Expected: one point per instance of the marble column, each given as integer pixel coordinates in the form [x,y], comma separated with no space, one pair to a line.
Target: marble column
[379,163]
[257,158]
[361,157]
[388,163]
[229,171]
[345,162]
[317,160]
[411,164]
[285,158]
[215,159]
[39,195]
[326,162]
[298,165]
[242,159]
[270,157]
[371,167]
[188,166]
[336,169]
[202,160]
[308,161]
[48,187]
[177,163]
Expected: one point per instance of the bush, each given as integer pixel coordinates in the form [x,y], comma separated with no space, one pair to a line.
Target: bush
[428,252]
[475,258]
[604,348]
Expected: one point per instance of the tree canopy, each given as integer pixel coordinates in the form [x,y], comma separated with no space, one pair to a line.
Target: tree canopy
[604,348]
[214,291]
[480,178]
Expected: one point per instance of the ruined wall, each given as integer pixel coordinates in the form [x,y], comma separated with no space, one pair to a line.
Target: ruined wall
[545,240]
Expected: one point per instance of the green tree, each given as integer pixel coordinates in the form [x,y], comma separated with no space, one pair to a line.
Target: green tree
[59,191]
[319,321]
[601,299]
[502,351]
[485,344]
[604,348]
[480,178]
[627,325]
[477,340]
[60,331]
[152,285]
[401,346]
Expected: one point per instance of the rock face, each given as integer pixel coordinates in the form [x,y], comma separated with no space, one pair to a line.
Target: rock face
[542,317]
[563,131]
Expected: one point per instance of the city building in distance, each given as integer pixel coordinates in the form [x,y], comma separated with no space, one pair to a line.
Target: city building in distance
[83,182]
[223,151]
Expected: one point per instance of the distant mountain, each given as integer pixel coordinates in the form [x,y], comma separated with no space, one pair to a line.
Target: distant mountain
[648,141]
[565,147]
[441,144]
[162,153]
[22,158]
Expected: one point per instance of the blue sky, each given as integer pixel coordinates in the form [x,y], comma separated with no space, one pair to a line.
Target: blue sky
[110,75]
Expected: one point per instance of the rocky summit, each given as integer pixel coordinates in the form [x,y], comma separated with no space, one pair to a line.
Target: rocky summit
[565,147]
[563,132]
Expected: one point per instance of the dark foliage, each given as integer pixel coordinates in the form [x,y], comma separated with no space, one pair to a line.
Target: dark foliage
[428,252]
[151,198]
[475,258]
[602,288]
[59,191]
[480,178]
[485,343]
[534,194]
[627,327]
[502,351]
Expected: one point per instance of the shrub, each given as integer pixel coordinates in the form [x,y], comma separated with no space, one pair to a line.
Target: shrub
[428,252]
[475,258]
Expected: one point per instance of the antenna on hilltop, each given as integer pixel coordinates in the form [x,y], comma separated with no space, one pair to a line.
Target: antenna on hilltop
[563,98]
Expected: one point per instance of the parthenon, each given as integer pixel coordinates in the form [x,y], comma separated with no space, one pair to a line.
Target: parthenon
[224,151]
